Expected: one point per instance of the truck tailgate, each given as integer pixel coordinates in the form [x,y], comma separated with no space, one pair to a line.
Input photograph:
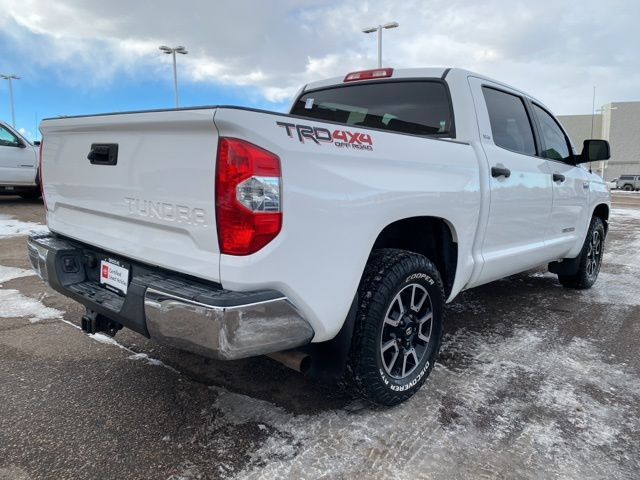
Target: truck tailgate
[155,204]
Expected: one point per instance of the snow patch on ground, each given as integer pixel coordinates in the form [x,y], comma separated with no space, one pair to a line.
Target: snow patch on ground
[151,361]
[107,340]
[102,338]
[625,250]
[624,214]
[10,227]
[15,305]
[521,405]
[622,288]
[10,273]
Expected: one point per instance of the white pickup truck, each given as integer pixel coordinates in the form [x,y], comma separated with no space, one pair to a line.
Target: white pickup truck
[18,164]
[329,237]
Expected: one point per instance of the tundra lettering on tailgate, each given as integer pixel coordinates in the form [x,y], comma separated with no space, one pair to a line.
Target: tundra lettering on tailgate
[168,212]
[319,135]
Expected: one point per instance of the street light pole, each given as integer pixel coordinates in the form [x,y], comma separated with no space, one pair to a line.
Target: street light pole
[9,78]
[379,46]
[378,29]
[593,109]
[173,51]
[175,79]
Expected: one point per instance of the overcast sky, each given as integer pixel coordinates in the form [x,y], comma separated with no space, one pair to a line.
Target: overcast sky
[88,56]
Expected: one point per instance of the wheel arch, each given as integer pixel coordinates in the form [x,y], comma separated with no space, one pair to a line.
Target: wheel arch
[569,266]
[438,243]
[602,211]
[433,237]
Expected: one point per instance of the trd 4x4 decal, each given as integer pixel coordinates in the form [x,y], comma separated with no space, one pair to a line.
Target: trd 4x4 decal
[319,135]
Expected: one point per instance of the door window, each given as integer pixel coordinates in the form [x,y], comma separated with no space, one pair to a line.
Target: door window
[8,139]
[510,124]
[556,144]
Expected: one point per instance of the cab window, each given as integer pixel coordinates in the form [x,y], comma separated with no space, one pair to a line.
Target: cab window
[556,143]
[8,139]
[510,124]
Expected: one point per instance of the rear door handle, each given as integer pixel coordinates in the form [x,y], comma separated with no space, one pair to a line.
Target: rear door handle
[558,177]
[500,172]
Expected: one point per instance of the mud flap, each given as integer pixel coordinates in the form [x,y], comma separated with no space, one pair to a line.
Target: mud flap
[568,266]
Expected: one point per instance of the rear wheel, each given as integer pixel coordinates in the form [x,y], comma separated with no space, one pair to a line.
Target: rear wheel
[590,258]
[398,326]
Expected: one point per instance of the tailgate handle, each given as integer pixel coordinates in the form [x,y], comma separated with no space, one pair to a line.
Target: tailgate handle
[103,154]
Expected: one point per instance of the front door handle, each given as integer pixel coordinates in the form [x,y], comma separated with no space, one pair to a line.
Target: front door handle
[500,172]
[558,177]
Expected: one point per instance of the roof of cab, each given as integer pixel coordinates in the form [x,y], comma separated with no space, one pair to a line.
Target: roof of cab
[430,72]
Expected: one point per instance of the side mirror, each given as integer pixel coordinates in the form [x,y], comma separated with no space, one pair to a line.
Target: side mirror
[37,143]
[594,151]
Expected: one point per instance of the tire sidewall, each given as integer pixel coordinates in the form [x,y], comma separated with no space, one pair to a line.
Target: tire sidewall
[432,284]
[597,225]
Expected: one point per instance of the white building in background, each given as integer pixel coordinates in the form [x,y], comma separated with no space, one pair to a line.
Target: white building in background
[617,122]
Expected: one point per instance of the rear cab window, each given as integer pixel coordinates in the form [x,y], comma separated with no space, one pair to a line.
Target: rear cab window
[421,107]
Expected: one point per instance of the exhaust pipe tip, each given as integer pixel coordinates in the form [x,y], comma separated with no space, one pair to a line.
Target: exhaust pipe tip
[294,359]
[305,364]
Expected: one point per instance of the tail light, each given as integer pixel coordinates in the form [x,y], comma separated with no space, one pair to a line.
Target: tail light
[40,176]
[369,74]
[248,197]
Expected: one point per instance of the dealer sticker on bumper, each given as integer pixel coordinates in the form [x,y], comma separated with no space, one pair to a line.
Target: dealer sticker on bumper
[114,275]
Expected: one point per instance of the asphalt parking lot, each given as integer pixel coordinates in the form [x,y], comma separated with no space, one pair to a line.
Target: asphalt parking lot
[534,381]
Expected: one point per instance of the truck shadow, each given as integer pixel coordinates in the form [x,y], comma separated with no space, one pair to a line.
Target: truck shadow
[493,309]
[261,378]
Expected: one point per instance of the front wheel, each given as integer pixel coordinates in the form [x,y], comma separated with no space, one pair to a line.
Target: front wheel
[398,326]
[627,188]
[590,258]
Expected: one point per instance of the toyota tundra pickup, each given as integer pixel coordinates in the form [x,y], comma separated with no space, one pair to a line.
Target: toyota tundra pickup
[329,237]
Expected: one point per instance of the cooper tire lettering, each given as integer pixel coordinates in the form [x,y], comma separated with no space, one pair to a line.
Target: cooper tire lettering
[420,276]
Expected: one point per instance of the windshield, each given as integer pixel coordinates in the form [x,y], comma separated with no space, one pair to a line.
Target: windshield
[416,107]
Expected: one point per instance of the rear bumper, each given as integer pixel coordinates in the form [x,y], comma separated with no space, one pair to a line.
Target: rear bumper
[172,309]
[17,189]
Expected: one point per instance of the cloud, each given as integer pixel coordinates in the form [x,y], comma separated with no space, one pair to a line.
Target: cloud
[554,49]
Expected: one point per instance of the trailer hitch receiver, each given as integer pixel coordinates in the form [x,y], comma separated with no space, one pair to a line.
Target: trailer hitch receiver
[93,322]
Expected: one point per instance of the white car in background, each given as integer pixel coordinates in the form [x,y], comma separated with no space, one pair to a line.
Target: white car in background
[18,164]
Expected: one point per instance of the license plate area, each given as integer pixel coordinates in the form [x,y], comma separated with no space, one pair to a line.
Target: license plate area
[114,275]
